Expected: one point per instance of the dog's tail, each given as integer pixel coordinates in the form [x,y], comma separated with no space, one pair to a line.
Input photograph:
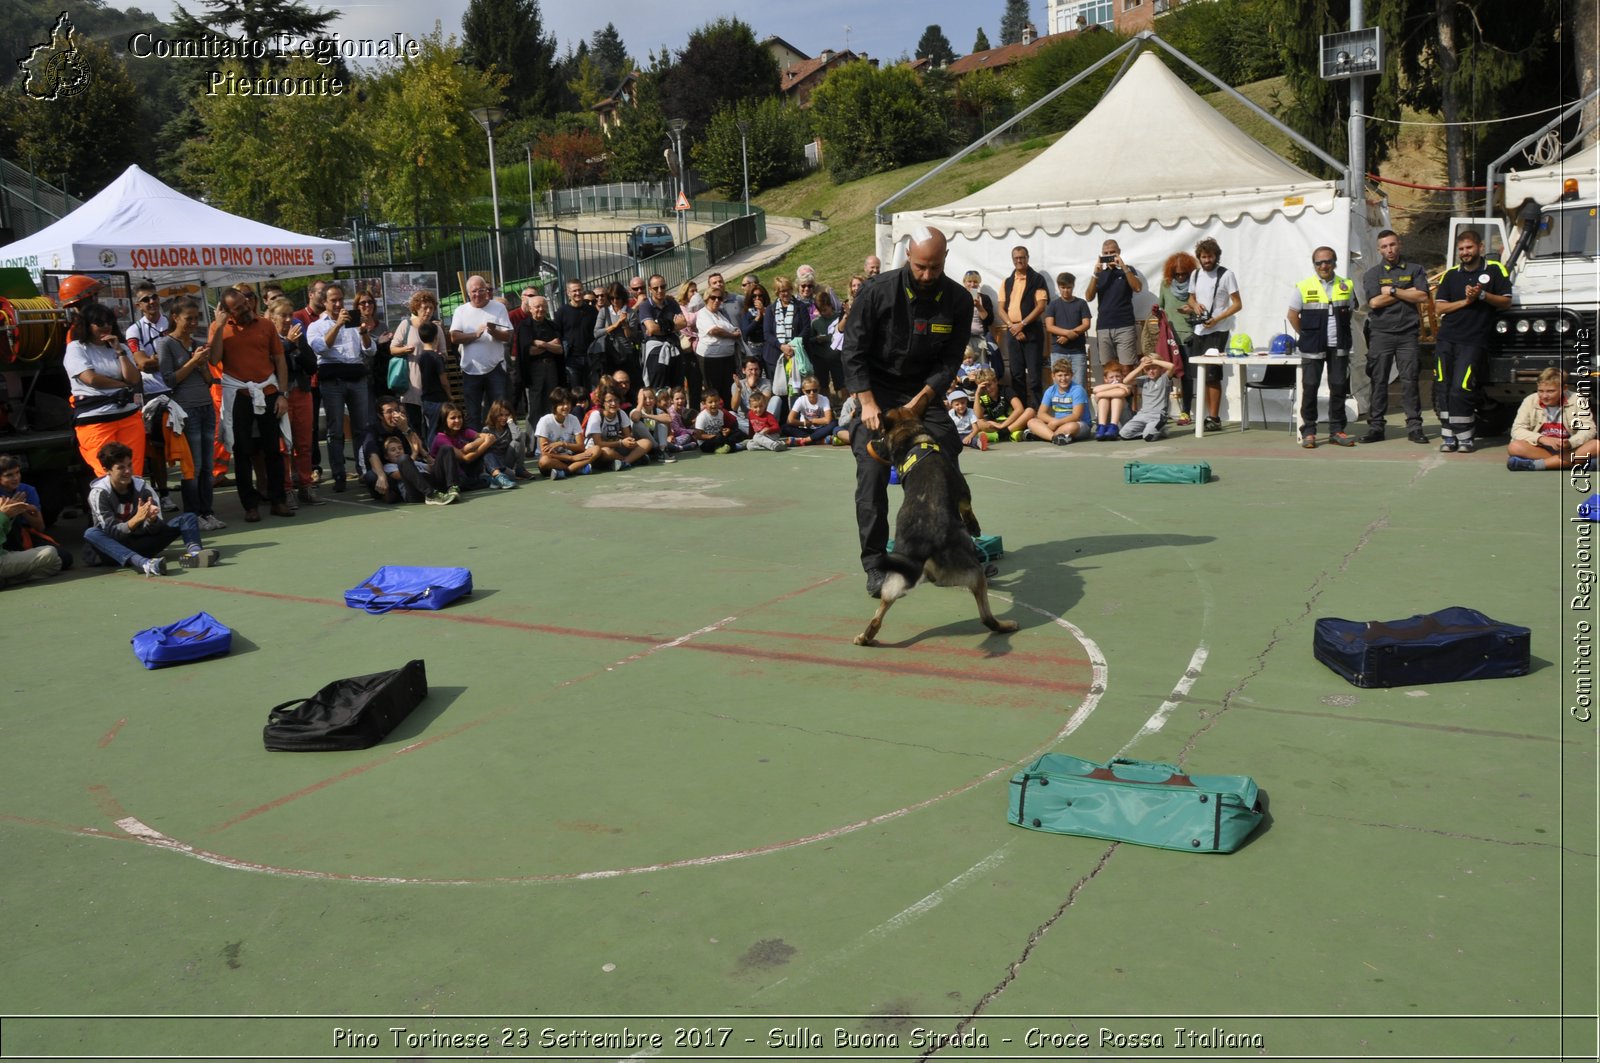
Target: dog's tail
[900,574]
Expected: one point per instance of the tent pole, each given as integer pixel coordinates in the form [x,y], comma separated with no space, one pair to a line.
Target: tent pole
[882,217]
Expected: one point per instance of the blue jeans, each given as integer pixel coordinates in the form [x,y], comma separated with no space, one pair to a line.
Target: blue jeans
[200,429]
[140,545]
[338,398]
[475,389]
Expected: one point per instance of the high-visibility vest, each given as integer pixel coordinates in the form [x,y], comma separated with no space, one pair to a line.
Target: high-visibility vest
[1316,302]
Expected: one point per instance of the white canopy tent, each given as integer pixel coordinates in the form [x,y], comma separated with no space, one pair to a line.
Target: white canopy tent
[1157,168]
[141,225]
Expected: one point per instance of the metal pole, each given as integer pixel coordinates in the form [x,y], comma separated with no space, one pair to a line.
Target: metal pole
[1356,177]
[494,195]
[744,157]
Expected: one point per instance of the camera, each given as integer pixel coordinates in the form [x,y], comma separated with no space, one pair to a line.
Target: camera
[1195,319]
[351,319]
[1108,260]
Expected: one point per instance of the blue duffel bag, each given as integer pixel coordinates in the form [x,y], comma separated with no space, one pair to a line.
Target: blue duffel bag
[406,587]
[189,639]
[1448,646]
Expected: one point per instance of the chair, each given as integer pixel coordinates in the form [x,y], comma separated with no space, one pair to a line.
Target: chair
[1275,378]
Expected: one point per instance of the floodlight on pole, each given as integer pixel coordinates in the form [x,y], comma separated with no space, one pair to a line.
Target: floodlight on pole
[489,118]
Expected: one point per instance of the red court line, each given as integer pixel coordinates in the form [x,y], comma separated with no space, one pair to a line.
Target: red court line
[1010,657]
[871,663]
[106,739]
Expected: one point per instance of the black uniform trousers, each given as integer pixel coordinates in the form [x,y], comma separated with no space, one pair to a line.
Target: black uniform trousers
[872,476]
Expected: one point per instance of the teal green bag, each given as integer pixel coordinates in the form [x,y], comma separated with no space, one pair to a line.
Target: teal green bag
[1136,801]
[1138,472]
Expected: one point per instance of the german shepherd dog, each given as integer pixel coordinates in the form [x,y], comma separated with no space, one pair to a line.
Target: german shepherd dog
[933,530]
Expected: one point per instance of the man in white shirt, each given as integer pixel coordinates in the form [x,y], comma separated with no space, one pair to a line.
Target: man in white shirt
[344,351]
[481,327]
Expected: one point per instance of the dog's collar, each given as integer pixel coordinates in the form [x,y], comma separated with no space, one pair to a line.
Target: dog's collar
[913,457]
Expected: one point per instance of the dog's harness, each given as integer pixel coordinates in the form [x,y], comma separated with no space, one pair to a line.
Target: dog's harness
[913,457]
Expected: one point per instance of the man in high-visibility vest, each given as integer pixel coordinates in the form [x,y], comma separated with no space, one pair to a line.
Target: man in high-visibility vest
[1321,312]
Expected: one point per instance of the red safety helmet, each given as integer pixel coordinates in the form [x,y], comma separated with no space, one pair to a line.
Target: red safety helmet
[76,289]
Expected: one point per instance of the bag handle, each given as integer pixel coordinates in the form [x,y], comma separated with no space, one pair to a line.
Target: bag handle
[1175,774]
[377,608]
[277,712]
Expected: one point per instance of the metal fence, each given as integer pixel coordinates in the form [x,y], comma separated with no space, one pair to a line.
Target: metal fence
[28,204]
[548,256]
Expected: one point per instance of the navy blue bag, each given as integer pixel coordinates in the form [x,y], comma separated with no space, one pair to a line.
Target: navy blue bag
[406,587]
[1444,647]
[189,639]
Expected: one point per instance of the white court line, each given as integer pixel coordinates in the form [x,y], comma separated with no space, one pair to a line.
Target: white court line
[1180,692]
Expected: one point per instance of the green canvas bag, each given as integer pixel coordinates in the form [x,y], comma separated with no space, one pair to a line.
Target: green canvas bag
[1138,472]
[1136,801]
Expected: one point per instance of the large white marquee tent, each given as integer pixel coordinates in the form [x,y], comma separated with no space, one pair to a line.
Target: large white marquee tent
[142,226]
[1157,168]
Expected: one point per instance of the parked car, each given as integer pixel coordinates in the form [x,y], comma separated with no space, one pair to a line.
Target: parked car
[647,240]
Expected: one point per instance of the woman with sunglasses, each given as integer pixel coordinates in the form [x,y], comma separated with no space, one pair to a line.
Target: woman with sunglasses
[717,347]
[383,336]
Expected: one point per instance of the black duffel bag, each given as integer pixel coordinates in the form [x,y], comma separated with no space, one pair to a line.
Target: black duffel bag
[350,713]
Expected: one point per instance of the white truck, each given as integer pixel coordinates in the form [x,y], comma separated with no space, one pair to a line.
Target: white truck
[1552,253]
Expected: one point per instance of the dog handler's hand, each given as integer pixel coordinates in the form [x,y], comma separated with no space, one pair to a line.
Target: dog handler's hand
[871,416]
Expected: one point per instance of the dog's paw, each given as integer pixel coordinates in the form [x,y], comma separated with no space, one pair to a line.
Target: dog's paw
[866,640]
[1004,627]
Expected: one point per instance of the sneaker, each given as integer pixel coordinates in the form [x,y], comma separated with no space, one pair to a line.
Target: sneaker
[558,474]
[1153,437]
[168,504]
[1416,435]
[1062,439]
[210,522]
[982,441]
[725,449]
[309,497]
[1516,464]
[1448,445]
[292,501]
[1341,439]
[668,459]
[586,470]
[1467,446]
[1213,424]
[1183,420]
[443,498]
[91,557]
[154,566]
[1374,435]
[993,437]
[199,557]
[338,485]
[737,447]
[1309,442]
[1018,435]
[505,482]
[841,441]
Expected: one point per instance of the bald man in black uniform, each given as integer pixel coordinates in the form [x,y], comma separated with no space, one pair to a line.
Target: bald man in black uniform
[905,337]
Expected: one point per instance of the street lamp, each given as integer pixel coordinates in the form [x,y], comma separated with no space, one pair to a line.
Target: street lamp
[533,244]
[676,126]
[744,157]
[489,118]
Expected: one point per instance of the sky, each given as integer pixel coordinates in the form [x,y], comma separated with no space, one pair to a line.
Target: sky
[882,30]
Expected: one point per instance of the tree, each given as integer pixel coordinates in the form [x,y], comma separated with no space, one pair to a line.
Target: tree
[1059,62]
[935,47]
[507,36]
[422,139]
[296,161]
[577,155]
[637,143]
[872,120]
[255,20]
[775,144]
[983,99]
[980,43]
[1230,38]
[721,61]
[1013,22]
[610,55]
[86,139]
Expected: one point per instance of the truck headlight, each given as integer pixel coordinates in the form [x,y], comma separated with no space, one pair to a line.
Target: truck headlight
[1502,326]
[1563,326]
[1522,327]
[1541,326]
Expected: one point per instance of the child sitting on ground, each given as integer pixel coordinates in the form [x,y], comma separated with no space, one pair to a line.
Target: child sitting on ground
[655,424]
[27,518]
[1553,428]
[1155,394]
[1110,400]
[127,525]
[1063,408]
[764,433]
[716,430]
[476,464]
[810,417]
[681,422]
[510,446]
[556,438]
[1000,414]
[959,406]
[969,365]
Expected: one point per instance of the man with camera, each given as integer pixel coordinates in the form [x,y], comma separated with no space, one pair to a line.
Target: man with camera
[1112,286]
[343,348]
